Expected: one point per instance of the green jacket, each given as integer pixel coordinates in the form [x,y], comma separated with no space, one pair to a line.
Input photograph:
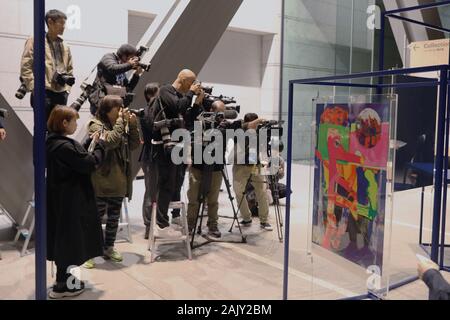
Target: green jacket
[113,177]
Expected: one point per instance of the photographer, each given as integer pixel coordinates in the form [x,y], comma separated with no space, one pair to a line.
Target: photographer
[151,93]
[112,78]
[2,131]
[112,180]
[248,172]
[173,102]
[74,231]
[196,178]
[58,63]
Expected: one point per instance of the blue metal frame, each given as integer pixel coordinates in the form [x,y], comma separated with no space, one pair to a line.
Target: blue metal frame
[39,150]
[442,156]
[443,108]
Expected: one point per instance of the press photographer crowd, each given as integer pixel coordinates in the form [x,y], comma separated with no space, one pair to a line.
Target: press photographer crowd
[183,129]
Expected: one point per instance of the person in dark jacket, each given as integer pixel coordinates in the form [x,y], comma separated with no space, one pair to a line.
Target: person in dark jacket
[111,75]
[439,287]
[2,131]
[150,93]
[74,231]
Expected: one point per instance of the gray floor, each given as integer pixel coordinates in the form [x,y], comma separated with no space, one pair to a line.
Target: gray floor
[236,271]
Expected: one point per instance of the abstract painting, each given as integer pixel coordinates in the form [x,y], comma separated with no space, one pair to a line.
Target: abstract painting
[351,156]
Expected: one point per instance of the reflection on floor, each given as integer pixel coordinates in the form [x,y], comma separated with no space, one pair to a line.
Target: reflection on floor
[253,270]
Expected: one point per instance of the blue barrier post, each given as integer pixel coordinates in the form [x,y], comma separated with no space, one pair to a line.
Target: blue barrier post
[289,188]
[39,150]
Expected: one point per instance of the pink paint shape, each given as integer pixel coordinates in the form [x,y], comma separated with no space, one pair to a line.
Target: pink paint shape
[376,156]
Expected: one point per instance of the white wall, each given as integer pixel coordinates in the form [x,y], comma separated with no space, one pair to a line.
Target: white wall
[245,64]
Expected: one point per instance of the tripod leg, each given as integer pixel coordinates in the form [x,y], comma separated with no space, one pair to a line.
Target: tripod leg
[231,198]
[276,196]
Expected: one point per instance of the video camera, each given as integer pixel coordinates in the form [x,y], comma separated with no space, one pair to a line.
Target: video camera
[3,113]
[87,90]
[210,99]
[271,124]
[217,117]
[140,52]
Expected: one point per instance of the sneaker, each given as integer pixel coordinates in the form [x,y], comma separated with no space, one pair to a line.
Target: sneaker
[113,254]
[214,232]
[245,224]
[266,226]
[147,232]
[60,290]
[90,264]
[168,233]
[176,220]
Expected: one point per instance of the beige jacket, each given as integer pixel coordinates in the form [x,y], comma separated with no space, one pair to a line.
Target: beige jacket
[26,70]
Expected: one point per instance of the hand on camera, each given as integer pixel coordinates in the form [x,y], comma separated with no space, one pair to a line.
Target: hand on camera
[139,71]
[200,97]
[134,62]
[196,87]
[254,124]
[132,118]
[2,134]
[95,136]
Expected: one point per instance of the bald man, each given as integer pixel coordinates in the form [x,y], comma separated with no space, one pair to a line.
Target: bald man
[175,101]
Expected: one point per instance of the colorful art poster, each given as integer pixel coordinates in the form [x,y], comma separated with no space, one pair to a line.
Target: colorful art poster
[351,158]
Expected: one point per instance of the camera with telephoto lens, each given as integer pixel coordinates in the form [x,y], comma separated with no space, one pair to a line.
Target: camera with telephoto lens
[22,91]
[272,125]
[63,78]
[3,113]
[212,119]
[145,66]
[86,91]
[210,99]
[163,126]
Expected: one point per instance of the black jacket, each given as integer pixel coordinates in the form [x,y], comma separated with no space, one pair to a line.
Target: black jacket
[74,231]
[439,287]
[173,103]
[111,70]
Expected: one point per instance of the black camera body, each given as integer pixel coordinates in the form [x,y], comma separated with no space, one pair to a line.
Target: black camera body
[63,78]
[142,49]
[207,90]
[22,91]
[140,113]
[3,113]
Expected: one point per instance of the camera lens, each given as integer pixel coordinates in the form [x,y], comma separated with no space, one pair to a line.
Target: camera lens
[21,92]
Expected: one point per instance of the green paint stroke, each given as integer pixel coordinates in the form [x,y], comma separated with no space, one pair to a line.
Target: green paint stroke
[323,139]
[370,211]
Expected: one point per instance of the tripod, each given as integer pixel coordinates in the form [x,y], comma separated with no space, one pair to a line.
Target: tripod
[205,185]
[273,186]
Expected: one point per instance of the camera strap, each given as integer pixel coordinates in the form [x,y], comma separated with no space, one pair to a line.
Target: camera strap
[55,56]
